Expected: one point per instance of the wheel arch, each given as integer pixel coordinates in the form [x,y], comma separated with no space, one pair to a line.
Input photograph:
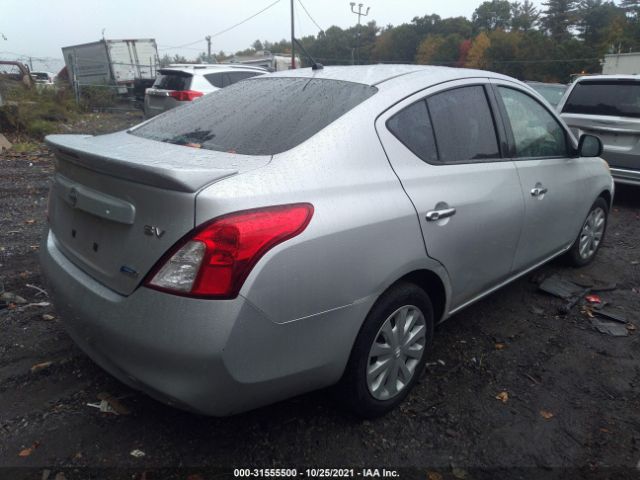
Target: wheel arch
[608,197]
[433,285]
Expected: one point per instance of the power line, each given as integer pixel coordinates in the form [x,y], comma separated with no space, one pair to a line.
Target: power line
[245,20]
[222,31]
[309,15]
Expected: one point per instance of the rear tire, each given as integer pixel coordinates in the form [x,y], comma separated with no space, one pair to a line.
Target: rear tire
[389,353]
[591,235]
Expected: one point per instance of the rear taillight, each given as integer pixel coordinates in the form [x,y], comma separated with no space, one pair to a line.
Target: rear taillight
[214,260]
[185,95]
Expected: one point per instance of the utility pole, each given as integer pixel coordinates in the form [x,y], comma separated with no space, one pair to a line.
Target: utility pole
[293,36]
[208,39]
[360,14]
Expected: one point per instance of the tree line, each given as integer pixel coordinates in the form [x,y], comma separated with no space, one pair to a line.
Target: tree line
[516,38]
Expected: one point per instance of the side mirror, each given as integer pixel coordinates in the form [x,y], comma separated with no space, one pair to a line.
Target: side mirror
[589,146]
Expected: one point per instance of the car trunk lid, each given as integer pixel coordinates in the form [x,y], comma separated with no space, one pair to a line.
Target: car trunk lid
[118,202]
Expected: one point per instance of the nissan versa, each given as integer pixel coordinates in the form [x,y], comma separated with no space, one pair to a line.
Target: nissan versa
[308,228]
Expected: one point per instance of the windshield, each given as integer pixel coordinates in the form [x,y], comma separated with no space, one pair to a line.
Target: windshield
[605,97]
[261,116]
[551,93]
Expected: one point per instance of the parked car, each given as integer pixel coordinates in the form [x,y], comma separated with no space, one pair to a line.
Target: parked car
[608,106]
[43,80]
[309,228]
[551,92]
[178,84]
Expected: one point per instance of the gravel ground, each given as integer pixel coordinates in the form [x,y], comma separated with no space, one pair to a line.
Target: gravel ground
[570,395]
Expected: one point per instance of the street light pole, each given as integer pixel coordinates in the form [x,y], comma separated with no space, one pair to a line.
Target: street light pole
[360,14]
[293,36]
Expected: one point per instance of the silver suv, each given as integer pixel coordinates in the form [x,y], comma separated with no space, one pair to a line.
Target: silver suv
[608,106]
[182,83]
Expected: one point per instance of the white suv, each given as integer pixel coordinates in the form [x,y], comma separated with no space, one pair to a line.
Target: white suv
[608,106]
[181,83]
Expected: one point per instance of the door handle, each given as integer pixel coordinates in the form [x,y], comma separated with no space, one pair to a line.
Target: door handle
[538,190]
[434,215]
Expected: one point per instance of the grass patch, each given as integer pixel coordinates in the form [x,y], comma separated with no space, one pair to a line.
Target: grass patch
[36,113]
[25,147]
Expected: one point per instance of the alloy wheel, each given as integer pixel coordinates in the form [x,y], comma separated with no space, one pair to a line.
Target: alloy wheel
[396,352]
[592,233]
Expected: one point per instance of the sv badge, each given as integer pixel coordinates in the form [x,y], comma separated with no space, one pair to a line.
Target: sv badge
[153,231]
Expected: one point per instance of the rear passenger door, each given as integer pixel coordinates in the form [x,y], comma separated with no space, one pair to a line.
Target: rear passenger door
[551,176]
[445,147]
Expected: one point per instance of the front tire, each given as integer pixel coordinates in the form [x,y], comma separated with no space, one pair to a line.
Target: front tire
[389,353]
[591,235]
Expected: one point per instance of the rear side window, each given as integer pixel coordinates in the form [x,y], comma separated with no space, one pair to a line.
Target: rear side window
[237,76]
[224,79]
[463,125]
[263,116]
[413,128]
[605,97]
[215,79]
[173,81]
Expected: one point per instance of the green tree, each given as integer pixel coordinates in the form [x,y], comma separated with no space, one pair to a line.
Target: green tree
[559,17]
[492,15]
[398,44]
[524,16]
[595,19]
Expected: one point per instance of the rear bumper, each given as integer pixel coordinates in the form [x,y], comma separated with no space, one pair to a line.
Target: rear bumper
[157,105]
[212,357]
[627,177]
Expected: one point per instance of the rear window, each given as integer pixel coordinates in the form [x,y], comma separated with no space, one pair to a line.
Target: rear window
[173,80]
[264,116]
[605,97]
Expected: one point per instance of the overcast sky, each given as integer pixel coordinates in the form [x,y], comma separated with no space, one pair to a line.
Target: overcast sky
[40,28]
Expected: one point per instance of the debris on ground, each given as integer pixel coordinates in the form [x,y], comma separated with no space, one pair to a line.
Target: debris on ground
[41,366]
[48,317]
[41,291]
[503,397]
[4,143]
[9,297]
[37,304]
[560,287]
[593,298]
[25,452]
[546,414]
[608,314]
[610,328]
[109,404]
[137,453]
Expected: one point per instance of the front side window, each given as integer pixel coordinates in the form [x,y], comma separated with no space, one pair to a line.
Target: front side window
[463,125]
[536,132]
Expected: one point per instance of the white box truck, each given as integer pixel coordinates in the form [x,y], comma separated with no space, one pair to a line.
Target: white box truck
[624,63]
[117,63]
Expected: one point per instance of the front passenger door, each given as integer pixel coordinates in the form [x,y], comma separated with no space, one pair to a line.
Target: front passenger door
[550,176]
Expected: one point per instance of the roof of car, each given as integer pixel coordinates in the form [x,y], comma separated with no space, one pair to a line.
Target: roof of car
[608,77]
[376,74]
[193,67]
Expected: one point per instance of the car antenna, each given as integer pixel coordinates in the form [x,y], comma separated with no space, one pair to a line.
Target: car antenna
[314,65]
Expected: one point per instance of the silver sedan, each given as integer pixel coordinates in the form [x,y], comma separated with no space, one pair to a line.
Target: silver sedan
[309,228]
